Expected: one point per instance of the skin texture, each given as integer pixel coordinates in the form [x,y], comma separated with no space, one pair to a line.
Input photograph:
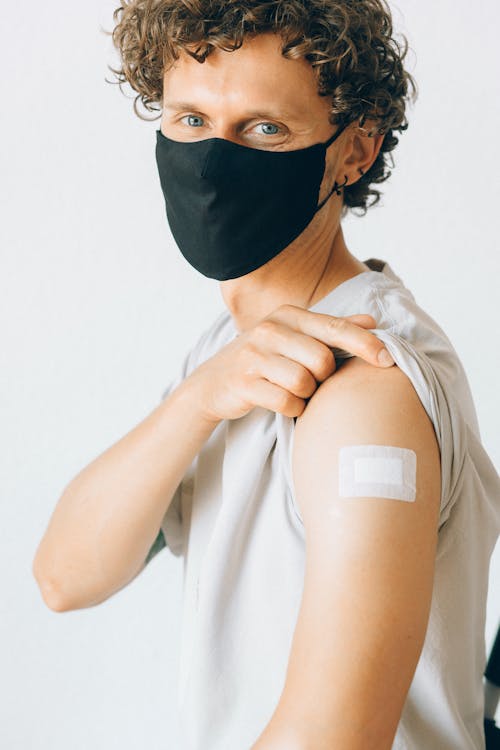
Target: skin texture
[257,77]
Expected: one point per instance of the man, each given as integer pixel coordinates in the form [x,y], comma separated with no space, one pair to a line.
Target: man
[320,496]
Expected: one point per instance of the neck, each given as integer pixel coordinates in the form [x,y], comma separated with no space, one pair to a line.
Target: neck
[294,276]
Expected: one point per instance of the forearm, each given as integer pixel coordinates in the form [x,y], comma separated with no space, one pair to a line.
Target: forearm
[109,515]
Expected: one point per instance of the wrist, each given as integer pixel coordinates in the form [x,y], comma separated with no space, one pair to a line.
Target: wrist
[191,394]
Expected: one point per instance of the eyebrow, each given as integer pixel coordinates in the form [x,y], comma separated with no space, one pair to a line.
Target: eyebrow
[272,114]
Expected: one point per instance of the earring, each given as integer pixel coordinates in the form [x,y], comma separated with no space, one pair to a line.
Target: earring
[360,170]
[337,187]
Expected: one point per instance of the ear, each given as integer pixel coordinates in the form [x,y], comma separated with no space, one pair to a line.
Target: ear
[361,150]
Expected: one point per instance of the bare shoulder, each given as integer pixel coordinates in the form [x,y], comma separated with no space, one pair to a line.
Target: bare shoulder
[361,404]
[387,390]
[355,372]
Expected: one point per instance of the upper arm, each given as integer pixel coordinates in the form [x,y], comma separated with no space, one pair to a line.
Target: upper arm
[369,563]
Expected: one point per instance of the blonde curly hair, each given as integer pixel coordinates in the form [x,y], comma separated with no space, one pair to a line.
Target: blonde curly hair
[349,43]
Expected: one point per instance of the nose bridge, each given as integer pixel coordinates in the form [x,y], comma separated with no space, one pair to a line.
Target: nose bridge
[228,104]
[224,125]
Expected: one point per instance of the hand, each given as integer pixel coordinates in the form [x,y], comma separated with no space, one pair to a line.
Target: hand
[279,363]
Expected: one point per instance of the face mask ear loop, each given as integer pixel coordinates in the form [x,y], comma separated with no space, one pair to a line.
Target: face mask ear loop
[335,189]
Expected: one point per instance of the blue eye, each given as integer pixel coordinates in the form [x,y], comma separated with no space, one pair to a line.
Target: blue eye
[195,117]
[270,125]
[197,121]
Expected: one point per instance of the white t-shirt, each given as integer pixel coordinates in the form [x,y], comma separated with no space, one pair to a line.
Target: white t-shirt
[235,520]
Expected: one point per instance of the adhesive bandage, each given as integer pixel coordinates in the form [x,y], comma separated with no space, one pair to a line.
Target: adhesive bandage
[377,471]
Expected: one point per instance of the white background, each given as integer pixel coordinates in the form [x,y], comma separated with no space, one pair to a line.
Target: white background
[98,306]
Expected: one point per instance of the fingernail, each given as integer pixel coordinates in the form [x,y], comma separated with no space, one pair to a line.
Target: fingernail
[384,358]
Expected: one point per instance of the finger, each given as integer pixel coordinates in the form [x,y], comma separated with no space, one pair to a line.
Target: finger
[367,321]
[278,338]
[288,374]
[270,396]
[341,333]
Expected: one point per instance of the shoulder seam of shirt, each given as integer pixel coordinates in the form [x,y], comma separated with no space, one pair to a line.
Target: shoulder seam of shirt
[394,327]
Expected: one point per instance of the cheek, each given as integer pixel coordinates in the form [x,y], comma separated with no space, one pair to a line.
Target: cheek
[163,124]
[328,179]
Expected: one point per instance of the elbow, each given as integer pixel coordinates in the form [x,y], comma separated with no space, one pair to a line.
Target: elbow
[52,597]
[51,593]
[58,599]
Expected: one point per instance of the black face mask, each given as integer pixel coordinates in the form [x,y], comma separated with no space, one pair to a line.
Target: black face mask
[232,208]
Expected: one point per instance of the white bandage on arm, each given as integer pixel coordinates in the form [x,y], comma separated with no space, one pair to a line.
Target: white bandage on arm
[377,471]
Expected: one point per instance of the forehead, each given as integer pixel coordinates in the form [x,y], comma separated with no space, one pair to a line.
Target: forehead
[256,75]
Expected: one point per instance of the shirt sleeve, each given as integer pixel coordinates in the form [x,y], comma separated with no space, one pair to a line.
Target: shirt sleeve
[438,401]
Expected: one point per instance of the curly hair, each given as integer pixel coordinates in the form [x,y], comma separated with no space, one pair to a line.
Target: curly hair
[349,43]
